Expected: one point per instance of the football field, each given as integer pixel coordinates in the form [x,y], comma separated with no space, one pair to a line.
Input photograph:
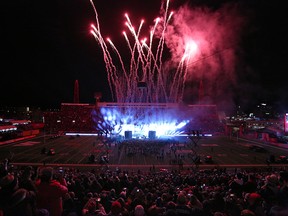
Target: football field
[91,151]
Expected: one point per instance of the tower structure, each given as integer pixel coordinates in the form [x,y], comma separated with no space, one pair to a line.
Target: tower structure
[286,123]
[200,92]
[76,92]
[97,96]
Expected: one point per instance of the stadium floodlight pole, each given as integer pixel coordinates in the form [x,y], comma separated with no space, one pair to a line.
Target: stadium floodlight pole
[44,132]
[194,136]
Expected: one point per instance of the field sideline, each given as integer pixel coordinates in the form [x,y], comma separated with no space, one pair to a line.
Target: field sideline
[75,151]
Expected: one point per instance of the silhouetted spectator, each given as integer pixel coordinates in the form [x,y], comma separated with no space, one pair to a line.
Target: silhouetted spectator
[182,208]
[247,212]
[269,191]
[139,211]
[250,185]
[254,203]
[15,201]
[93,207]
[283,191]
[116,209]
[50,192]
[171,209]
[25,180]
[236,184]
[278,211]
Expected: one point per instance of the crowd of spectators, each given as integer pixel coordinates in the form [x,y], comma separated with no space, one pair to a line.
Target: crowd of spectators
[145,147]
[166,149]
[47,191]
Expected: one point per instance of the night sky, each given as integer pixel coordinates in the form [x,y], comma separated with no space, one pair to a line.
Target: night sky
[47,45]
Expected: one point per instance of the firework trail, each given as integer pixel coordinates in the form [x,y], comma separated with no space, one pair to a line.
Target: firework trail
[144,79]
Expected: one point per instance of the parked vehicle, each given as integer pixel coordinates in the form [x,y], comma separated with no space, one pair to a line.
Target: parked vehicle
[208,159]
[51,151]
[282,159]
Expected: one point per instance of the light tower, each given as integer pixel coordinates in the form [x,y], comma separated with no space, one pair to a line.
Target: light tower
[200,92]
[286,123]
[76,92]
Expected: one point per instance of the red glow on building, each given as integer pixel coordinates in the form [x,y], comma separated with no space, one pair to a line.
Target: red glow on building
[286,123]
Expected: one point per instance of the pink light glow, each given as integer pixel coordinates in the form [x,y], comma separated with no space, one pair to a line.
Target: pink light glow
[184,45]
[191,49]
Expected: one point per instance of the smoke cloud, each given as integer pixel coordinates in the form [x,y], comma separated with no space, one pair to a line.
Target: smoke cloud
[216,34]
